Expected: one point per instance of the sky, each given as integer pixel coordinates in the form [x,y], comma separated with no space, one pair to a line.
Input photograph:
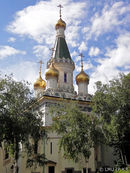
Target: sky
[100,29]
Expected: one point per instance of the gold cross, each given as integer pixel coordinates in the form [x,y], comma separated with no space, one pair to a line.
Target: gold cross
[81,55]
[40,62]
[60,6]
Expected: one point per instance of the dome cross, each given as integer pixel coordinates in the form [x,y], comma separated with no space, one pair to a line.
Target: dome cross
[81,55]
[60,6]
[40,62]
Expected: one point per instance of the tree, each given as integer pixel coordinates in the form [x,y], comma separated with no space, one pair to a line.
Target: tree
[18,120]
[79,131]
[111,103]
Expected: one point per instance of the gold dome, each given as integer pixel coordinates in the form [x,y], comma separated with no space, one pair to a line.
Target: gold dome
[60,23]
[40,83]
[51,72]
[82,77]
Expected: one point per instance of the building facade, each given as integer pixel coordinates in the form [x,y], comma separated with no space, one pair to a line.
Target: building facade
[58,87]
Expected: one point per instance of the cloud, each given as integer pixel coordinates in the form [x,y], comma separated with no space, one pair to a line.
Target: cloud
[117,60]
[78,58]
[110,19]
[82,46]
[74,55]
[41,51]
[94,51]
[38,21]
[12,39]
[25,70]
[6,51]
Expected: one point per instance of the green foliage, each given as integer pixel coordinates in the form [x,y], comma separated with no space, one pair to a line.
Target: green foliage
[79,132]
[39,159]
[123,171]
[111,103]
[18,120]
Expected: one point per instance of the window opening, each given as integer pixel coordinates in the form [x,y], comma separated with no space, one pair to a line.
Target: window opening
[51,147]
[65,77]
[51,169]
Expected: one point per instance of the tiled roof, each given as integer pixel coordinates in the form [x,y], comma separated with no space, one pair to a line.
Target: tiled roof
[61,49]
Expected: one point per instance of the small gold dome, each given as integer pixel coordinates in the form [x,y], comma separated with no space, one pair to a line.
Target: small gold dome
[82,77]
[60,23]
[40,83]
[51,72]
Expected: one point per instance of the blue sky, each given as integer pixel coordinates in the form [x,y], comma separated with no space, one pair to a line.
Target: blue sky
[99,29]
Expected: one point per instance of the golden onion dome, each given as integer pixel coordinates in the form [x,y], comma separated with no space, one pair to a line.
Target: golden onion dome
[60,23]
[51,72]
[82,77]
[40,83]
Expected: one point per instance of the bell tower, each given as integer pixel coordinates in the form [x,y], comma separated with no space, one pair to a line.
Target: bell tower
[62,60]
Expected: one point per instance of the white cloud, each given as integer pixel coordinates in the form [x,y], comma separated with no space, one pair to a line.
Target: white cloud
[82,46]
[74,54]
[94,51]
[78,58]
[25,70]
[12,39]
[110,19]
[38,21]
[6,51]
[41,51]
[116,59]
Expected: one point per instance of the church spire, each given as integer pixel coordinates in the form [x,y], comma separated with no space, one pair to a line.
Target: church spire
[61,48]
[62,61]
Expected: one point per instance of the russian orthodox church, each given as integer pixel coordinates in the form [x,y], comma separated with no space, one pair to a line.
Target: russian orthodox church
[59,87]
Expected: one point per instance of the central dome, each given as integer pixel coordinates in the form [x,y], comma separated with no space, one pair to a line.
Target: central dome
[60,23]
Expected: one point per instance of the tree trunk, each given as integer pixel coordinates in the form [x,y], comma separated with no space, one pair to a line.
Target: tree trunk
[15,169]
[16,154]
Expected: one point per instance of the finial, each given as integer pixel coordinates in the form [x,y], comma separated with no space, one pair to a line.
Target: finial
[81,55]
[40,67]
[52,51]
[60,6]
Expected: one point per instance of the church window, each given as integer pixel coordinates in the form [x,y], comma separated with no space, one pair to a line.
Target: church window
[51,148]
[51,169]
[89,170]
[84,170]
[65,77]
[69,170]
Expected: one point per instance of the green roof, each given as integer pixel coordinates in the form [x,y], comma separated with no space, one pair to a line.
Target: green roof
[61,49]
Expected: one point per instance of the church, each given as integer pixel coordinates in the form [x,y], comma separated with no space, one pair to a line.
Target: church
[58,87]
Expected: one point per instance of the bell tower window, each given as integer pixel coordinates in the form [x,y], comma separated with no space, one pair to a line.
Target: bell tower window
[65,77]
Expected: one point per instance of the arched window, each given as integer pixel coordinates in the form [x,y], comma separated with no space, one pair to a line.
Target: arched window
[65,77]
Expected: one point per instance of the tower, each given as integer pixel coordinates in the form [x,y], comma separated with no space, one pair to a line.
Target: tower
[52,75]
[62,60]
[82,80]
[40,84]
